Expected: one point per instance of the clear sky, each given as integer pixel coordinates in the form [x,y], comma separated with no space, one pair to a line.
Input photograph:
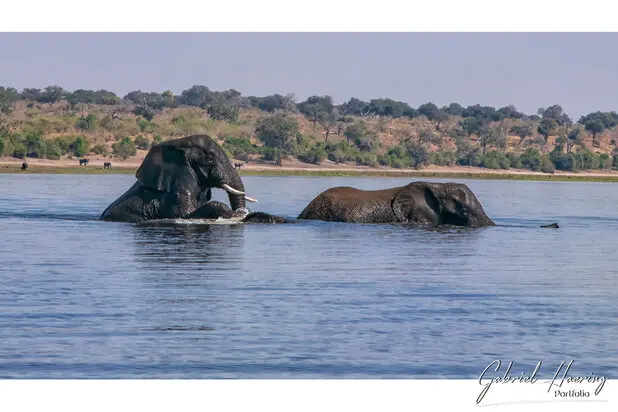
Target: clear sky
[579,71]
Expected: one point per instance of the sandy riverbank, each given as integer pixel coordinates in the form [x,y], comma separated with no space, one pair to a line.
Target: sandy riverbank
[294,167]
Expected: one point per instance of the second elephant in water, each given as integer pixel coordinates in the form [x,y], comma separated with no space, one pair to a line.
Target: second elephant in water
[418,203]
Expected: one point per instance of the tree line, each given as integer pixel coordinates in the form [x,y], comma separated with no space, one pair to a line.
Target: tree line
[480,133]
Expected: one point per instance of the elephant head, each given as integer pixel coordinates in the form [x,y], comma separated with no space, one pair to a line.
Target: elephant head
[439,204]
[175,178]
[191,165]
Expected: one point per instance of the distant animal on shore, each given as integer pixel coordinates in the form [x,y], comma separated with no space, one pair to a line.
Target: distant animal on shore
[24,166]
[238,165]
[107,165]
[83,162]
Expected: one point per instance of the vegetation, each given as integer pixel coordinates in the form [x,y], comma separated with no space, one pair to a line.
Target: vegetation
[54,123]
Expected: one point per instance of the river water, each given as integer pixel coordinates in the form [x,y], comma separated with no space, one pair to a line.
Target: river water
[80,298]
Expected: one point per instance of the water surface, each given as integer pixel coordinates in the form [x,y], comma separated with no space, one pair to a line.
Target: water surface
[80,298]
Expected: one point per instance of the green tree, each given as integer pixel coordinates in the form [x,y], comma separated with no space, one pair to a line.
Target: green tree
[547,127]
[276,131]
[124,148]
[492,136]
[146,112]
[522,131]
[141,143]
[52,94]
[596,127]
[80,147]
[316,108]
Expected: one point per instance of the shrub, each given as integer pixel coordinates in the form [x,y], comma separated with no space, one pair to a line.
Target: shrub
[157,139]
[124,148]
[35,146]
[240,148]
[80,146]
[141,143]
[87,123]
[531,159]
[366,159]
[495,160]
[52,150]
[563,161]
[546,165]
[100,150]
[269,153]
[515,160]
[337,155]
[604,161]
[443,158]
[315,155]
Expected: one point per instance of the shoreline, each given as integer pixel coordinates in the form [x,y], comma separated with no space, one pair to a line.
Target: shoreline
[45,166]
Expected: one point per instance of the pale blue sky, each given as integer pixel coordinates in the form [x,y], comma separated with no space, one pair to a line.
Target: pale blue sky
[576,70]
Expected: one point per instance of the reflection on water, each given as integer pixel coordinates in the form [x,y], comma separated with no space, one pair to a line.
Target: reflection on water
[80,298]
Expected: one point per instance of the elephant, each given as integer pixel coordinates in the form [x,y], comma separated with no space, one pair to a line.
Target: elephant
[107,165]
[422,203]
[175,178]
[83,162]
[24,166]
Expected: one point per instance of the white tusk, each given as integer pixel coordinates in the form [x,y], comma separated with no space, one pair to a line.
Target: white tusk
[231,189]
[250,199]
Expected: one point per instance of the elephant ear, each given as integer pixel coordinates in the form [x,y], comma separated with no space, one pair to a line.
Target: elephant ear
[167,168]
[414,203]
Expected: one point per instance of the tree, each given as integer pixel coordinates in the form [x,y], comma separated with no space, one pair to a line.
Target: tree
[52,94]
[355,132]
[510,112]
[547,127]
[276,131]
[124,148]
[32,95]
[473,126]
[492,136]
[146,112]
[556,113]
[522,131]
[80,147]
[419,155]
[195,96]
[316,108]
[595,126]
[454,109]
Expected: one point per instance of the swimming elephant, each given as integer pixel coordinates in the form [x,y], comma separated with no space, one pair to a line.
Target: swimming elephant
[175,179]
[418,203]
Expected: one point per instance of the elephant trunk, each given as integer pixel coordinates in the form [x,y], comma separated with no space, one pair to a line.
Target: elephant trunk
[235,190]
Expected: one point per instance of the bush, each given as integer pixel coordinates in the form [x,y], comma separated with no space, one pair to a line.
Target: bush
[157,139]
[337,155]
[269,153]
[604,161]
[87,123]
[563,161]
[495,160]
[366,159]
[240,148]
[443,158]
[52,150]
[514,160]
[531,159]
[35,146]
[546,165]
[124,148]
[80,147]
[315,155]
[100,150]
[398,163]
[141,143]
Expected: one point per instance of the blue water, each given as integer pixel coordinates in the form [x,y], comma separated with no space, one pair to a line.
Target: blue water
[81,298]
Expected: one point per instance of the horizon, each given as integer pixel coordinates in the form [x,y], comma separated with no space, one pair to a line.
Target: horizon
[454,67]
